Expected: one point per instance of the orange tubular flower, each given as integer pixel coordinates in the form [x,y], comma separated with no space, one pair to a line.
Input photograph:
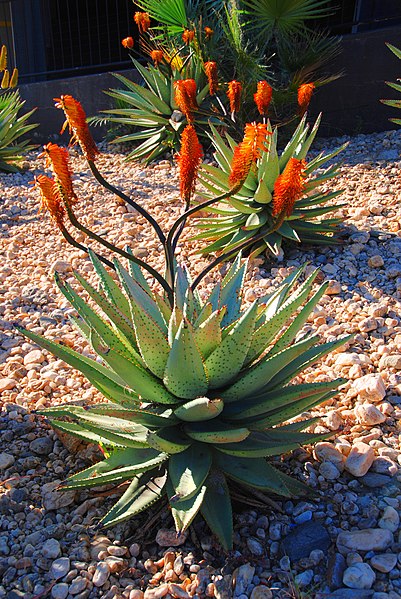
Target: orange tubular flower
[78,127]
[234,95]
[305,92]
[289,187]
[50,201]
[209,32]
[142,19]
[189,160]
[156,56]
[247,152]
[263,96]
[57,159]
[185,97]
[188,36]
[127,42]
[211,73]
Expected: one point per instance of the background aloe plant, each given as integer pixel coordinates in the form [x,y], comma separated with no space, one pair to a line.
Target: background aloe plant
[248,213]
[396,86]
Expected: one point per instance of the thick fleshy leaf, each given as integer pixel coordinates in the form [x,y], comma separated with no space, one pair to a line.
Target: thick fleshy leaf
[188,471]
[216,509]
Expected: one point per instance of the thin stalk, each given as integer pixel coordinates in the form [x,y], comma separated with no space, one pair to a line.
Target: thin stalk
[68,237]
[129,201]
[75,222]
[243,246]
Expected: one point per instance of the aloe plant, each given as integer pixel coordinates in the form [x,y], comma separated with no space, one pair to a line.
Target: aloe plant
[248,213]
[396,86]
[152,110]
[199,391]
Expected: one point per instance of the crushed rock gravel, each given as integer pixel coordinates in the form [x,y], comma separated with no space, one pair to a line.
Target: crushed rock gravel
[346,540]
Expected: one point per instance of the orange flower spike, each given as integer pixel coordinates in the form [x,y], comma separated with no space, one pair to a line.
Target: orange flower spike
[78,127]
[127,42]
[57,159]
[185,97]
[211,73]
[142,19]
[305,92]
[188,36]
[49,199]
[263,96]
[247,152]
[156,56]
[209,32]
[189,160]
[289,187]
[234,92]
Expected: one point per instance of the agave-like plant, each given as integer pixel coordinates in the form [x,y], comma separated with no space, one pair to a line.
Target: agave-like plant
[153,109]
[248,213]
[396,86]
[199,391]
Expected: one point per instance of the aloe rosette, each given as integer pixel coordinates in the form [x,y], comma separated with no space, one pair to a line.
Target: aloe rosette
[249,212]
[152,108]
[197,393]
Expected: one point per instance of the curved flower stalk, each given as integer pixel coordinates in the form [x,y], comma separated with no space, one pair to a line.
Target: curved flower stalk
[249,214]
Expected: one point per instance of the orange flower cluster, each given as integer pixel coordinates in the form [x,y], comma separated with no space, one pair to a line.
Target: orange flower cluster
[211,74]
[57,159]
[209,32]
[156,56]
[305,92]
[127,42]
[189,160]
[78,127]
[142,19]
[289,187]
[188,36]
[49,199]
[263,96]
[234,92]
[247,152]
[185,97]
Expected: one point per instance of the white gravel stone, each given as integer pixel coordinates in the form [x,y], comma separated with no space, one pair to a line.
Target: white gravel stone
[59,591]
[370,387]
[51,549]
[390,519]
[6,460]
[359,576]
[359,459]
[101,574]
[368,414]
[60,567]
[384,563]
[368,539]
[6,384]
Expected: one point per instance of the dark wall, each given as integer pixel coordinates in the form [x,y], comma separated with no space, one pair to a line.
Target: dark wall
[87,89]
[351,104]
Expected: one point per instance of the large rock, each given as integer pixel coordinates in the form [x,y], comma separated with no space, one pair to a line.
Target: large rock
[359,459]
[305,538]
[370,387]
[385,562]
[53,499]
[390,519]
[359,576]
[368,414]
[370,539]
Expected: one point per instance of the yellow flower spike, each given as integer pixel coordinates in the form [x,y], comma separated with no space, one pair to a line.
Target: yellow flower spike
[5,82]
[3,58]
[14,78]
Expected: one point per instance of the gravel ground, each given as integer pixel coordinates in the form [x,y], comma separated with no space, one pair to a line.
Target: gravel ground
[345,542]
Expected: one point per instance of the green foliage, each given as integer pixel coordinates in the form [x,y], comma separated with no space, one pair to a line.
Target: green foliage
[199,391]
[151,113]
[248,213]
[396,86]
[13,126]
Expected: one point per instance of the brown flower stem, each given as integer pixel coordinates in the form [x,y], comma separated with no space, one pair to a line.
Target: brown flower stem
[68,237]
[75,222]
[129,201]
